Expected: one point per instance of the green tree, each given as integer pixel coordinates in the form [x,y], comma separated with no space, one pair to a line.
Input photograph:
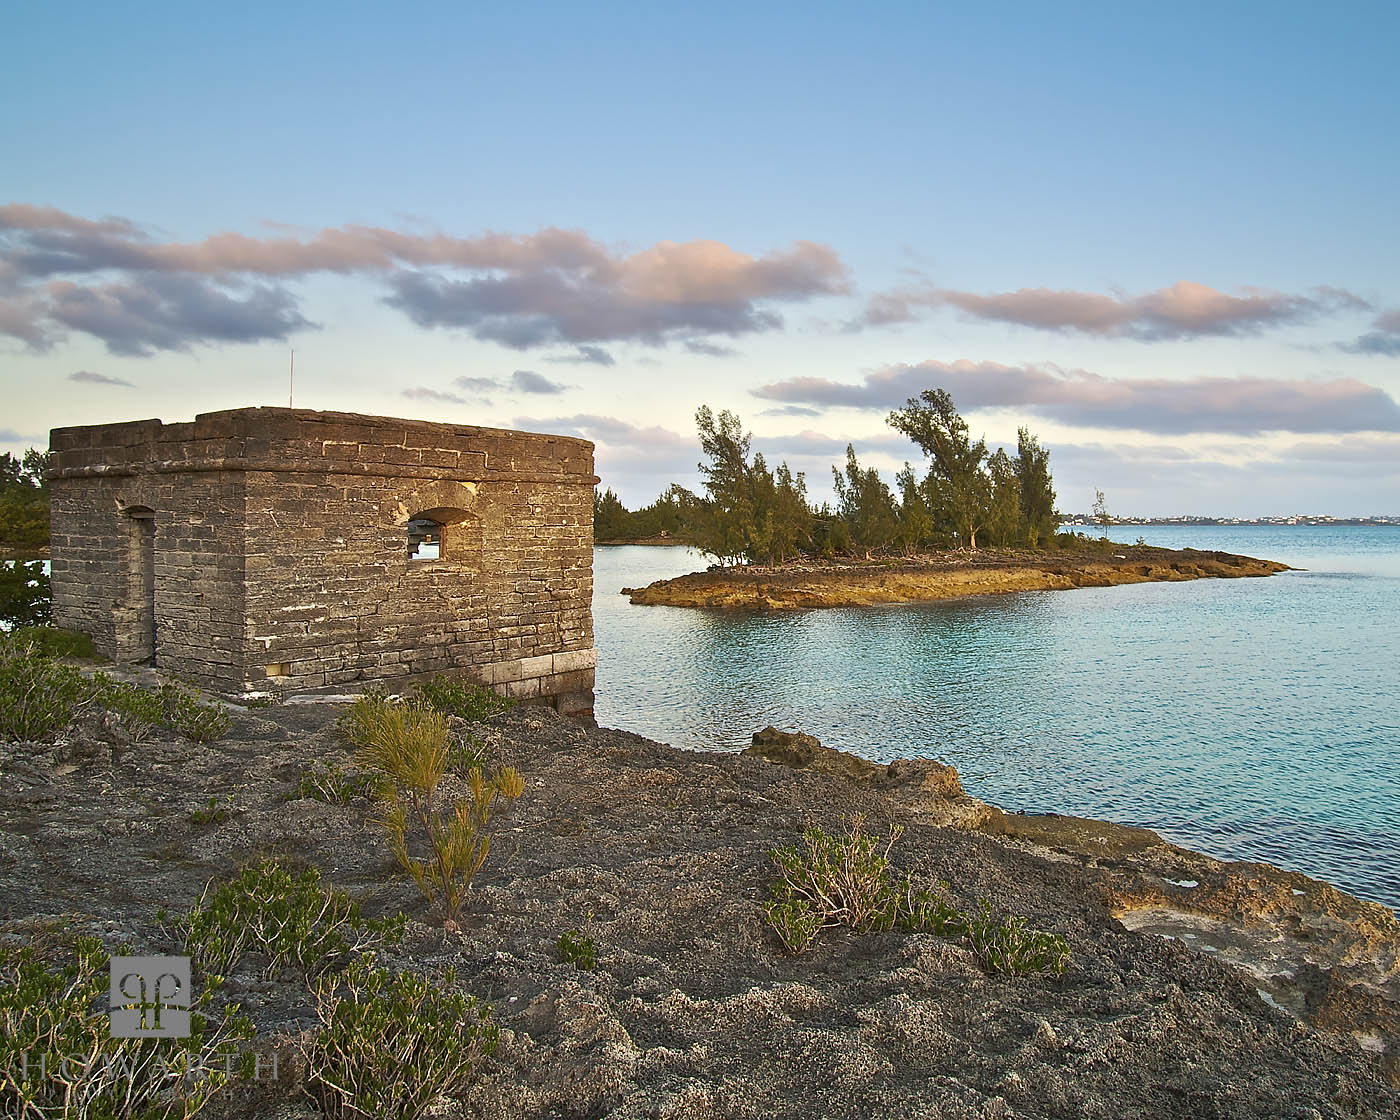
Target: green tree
[916,518]
[610,516]
[729,531]
[24,500]
[866,504]
[791,514]
[964,488]
[25,596]
[1036,489]
[1003,519]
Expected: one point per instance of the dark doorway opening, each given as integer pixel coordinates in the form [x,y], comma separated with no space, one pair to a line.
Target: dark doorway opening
[136,618]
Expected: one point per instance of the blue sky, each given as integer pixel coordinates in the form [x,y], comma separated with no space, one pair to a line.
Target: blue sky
[1162,238]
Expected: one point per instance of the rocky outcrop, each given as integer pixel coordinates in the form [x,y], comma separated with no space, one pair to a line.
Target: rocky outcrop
[946,576]
[1328,957]
[922,786]
[663,857]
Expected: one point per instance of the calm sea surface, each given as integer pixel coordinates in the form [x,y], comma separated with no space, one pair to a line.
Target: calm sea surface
[1250,719]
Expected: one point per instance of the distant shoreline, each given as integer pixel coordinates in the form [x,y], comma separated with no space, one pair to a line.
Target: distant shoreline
[941,576]
[649,542]
[1301,522]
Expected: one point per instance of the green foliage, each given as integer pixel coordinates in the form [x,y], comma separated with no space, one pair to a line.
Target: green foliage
[392,1045]
[728,532]
[933,423]
[141,710]
[52,1008]
[610,516]
[25,597]
[1003,515]
[845,879]
[38,696]
[409,745]
[458,698]
[290,919]
[795,922]
[24,500]
[675,514]
[1007,945]
[921,910]
[866,504]
[182,711]
[210,813]
[751,513]
[325,780]
[1035,489]
[52,641]
[917,526]
[577,948]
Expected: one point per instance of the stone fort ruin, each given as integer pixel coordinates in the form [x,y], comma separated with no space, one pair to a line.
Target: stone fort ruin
[283,549]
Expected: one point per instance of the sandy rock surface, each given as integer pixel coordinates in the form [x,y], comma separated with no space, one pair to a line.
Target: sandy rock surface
[661,855]
[953,575]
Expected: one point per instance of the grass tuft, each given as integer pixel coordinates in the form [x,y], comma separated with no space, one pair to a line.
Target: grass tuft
[845,879]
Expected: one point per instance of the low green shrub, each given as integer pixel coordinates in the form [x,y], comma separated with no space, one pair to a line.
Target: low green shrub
[57,1056]
[795,922]
[38,696]
[183,712]
[845,879]
[366,717]
[169,706]
[54,641]
[458,698]
[211,812]
[920,910]
[138,710]
[392,1045]
[291,919]
[577,948]
[325,780]
[1007,945]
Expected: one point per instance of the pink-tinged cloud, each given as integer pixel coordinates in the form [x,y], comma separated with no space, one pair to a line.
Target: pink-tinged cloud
[1237,406]
[553,287]
[1183,310]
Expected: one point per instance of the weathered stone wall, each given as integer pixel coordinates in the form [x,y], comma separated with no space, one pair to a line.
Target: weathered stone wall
[281,554]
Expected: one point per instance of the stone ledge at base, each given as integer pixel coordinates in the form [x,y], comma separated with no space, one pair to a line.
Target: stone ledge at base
[564,681]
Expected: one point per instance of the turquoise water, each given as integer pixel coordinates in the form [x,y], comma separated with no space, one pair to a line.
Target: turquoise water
[1250,719]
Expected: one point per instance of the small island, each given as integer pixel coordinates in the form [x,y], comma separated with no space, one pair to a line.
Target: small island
[949,575]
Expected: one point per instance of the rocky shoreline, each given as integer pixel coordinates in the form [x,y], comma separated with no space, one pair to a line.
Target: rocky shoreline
[1194,987]
[953,575]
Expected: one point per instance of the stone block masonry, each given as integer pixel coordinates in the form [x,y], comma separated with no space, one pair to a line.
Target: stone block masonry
[282,549]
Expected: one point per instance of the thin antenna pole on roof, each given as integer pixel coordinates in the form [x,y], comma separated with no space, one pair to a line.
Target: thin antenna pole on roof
[291,378]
